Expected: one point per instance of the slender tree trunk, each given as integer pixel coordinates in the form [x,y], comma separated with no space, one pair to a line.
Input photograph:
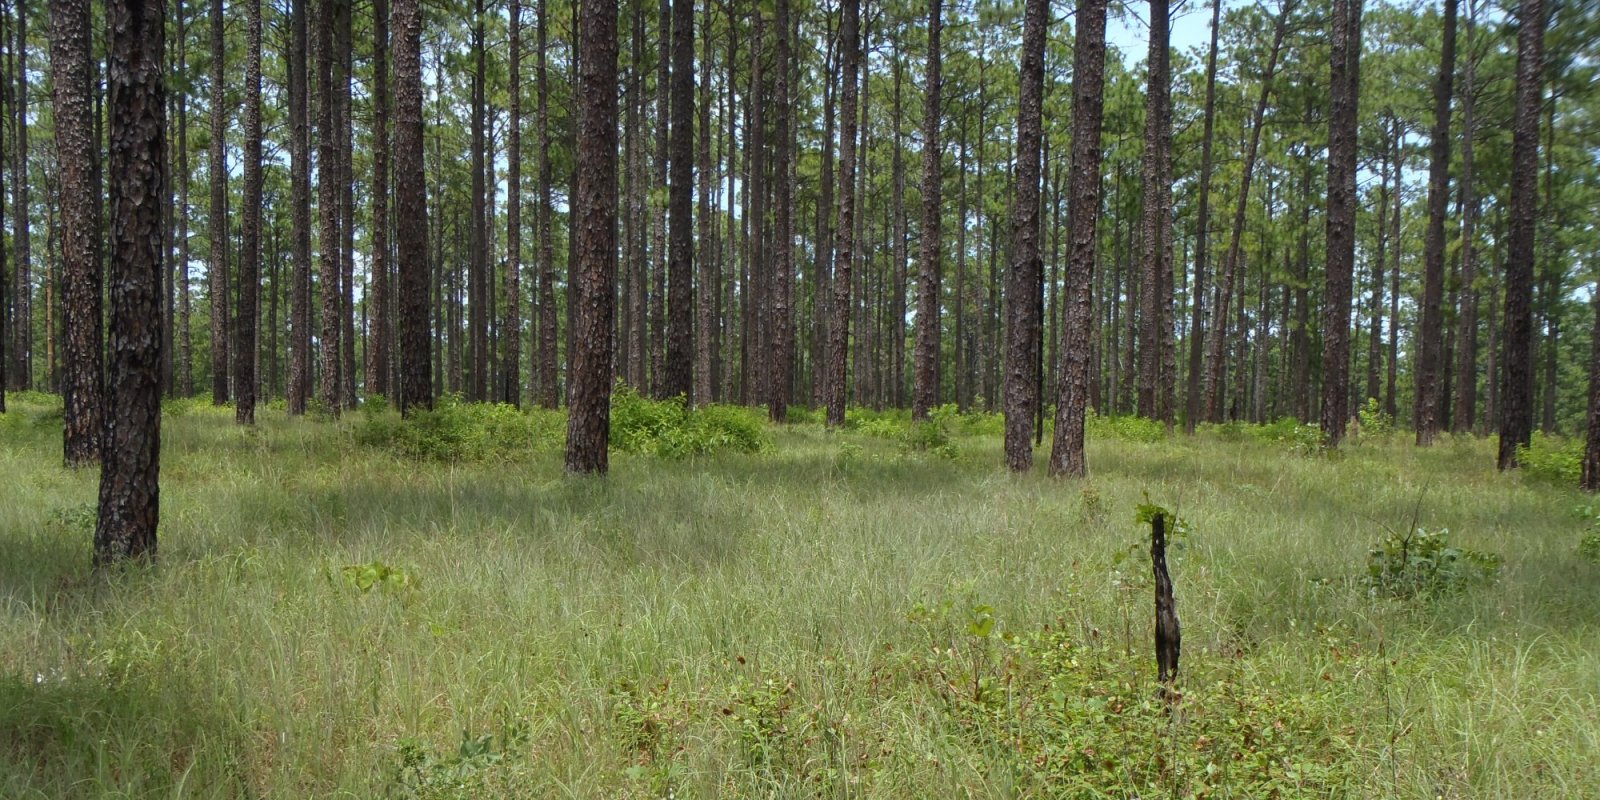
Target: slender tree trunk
[896,310]
[478,260]
[1344,86]
[1590,476]
[327,209]
[1379,261]
[130,468]
[1156,223]
[925,395]
[218,267]
[344,131]
[595,203]
[70,65]
[411,211]
[185,302]
[839,331]
[705,319]
[244,336]
[22,378]
[1215,357]
[1203,233]
[549,395]
[1088,97]
[1466,400]
[1023,284]
[1430,361]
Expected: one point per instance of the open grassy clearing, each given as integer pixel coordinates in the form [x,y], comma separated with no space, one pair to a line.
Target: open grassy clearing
[837,615]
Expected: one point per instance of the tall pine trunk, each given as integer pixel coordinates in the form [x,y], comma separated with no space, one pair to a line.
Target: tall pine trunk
[1344,88]
[1088,98]
[1023,280]
[218,268]
[1516,371]
[244,335]
[130,469]
[925,394]
[1430,360]
[595,204]
[411,211]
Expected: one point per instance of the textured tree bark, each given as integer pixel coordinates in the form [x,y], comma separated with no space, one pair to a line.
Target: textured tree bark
[130,468]
[1088,83]
[511,326]
[298,59]
[1023,285]
[1430,388]
[1516,387]
[925,394]
[1156,222]
[244,334]
[411,212]
[380,365]
[70,47]
[839,331]
[679,367]
[343,66]
[1169,636]
[782,322]
[1590,477]
[1344,88]
[217,213]
[822,298]
[327,210]
[1466,399]
[595,205]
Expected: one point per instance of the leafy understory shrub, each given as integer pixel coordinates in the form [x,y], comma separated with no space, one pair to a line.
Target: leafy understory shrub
[669,428]
[1067,716]
[1552,458]
[425,773]
[1589,547]
[1373,421]
[1124,427]
[364,578]
[1423,563]
[459,431]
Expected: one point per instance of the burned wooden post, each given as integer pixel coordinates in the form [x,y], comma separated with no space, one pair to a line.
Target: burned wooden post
[1167,631]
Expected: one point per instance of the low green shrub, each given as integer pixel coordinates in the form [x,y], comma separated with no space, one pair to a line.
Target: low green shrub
[1552,458]
[1424,563]
[459,431]
[1124,427]
[671,429]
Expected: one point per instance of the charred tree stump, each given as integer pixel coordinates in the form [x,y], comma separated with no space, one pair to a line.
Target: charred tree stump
[1168,634]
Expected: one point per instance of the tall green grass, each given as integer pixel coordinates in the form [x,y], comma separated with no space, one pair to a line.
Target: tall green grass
[831,614]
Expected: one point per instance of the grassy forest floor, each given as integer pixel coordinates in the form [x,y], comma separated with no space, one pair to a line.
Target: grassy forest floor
[371,609]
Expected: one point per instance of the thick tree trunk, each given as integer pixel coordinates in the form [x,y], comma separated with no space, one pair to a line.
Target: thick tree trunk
[411,211]
[130,468]
[1156,222]
[70,65]
[839,331]
[925,395]
[1088,98]
[244,334]
[300,313]
[1463,419]
[1430,360]
[1344,88]
[1516,387]
[679,367]
[1590,476]
[782,321]
[380,367]
[218,268]
[1023,280]
[595,204]
[327,209]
